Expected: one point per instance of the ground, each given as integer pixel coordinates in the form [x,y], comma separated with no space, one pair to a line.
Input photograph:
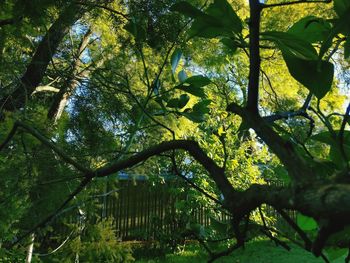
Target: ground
[259,251]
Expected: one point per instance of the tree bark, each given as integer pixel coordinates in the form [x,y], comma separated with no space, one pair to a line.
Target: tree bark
[30,249]
[61,98]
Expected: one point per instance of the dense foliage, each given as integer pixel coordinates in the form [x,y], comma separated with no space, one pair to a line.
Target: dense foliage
[245,102]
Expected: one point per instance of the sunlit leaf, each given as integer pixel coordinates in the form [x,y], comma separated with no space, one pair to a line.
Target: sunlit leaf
[175,59]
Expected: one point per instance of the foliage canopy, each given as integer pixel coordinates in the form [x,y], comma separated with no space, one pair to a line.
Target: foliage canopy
[245,101]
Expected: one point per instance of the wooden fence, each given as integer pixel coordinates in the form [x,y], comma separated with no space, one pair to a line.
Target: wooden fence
[141,210]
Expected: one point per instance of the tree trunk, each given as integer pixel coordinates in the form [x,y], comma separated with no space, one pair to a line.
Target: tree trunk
[46,49]
[61,98]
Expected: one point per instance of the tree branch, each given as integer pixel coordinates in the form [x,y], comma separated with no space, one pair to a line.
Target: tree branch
[301,233]
[282,148]
[9,21]
[341,135]
[254,55]
[193,185]
[61,98]
[46,142]
[43,223]
[113,11]
[215,171]
[296,2]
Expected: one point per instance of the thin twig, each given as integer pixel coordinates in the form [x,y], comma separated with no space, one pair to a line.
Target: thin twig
[296,2]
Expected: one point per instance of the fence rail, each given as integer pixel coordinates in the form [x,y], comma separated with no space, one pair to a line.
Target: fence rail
[141,210]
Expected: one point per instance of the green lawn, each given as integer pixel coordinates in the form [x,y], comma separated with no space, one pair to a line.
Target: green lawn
[263,251]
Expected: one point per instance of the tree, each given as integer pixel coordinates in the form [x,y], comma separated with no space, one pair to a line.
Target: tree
[129,105]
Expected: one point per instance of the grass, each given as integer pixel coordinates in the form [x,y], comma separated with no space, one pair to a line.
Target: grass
[262,251]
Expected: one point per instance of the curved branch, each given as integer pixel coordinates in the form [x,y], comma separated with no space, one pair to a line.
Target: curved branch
[192,147]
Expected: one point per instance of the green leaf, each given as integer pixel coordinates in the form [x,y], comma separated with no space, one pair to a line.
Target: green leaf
[219,20]
[302,62]
[184,98]
[197,113]
[175,59]
[230,43]
[198,81]
[292,44]
[326,137]
[341,6]
[306,223]
[208,27]
[182,76]
[202,106]
[136,29]
[282,174]
[194,84]
[334,253]
[347,49]
[311,28]
[341,25]
[186,9]
[194,116]
[335,153]
[196,91]
[178,102]
[219,226]
[316,76]
[337,239]
[224,12]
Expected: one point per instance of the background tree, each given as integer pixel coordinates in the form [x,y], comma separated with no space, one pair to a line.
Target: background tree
[230,98]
